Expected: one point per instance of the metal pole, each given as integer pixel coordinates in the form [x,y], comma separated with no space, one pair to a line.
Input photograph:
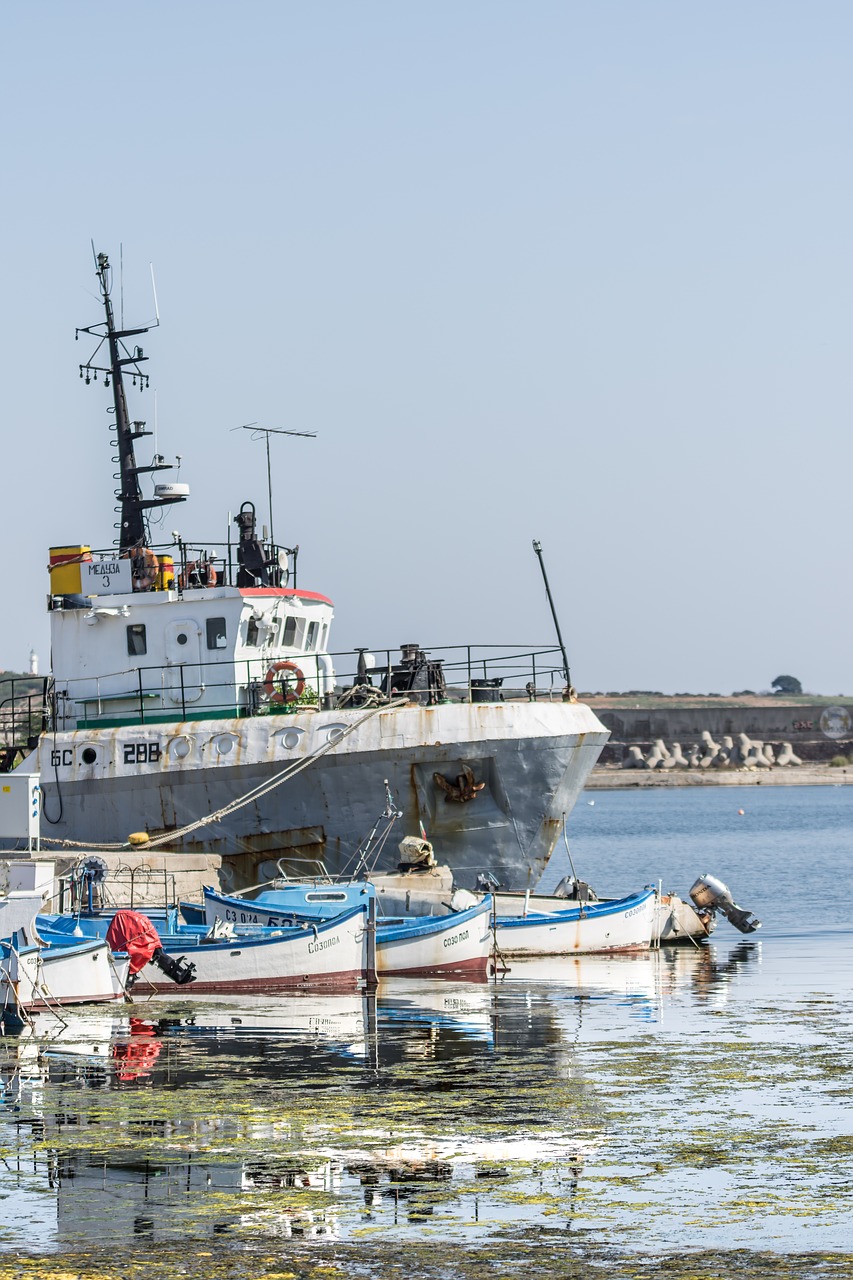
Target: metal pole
[269,487]
[537,547]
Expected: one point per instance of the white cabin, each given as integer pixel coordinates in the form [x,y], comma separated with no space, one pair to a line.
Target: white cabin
[205,652]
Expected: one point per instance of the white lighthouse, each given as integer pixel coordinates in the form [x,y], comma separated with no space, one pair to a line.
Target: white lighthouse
[34,663]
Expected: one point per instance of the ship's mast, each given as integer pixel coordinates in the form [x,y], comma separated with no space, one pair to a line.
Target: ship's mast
[133,521]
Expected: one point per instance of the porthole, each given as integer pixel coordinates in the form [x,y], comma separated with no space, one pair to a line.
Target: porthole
[180,748]
[89,755]
[290,738]
[182,637]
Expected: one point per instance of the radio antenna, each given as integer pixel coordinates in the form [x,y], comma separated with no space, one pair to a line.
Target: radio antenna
[156,323]
[266,432]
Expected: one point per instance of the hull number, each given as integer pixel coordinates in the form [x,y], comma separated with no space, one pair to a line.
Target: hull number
[142,753]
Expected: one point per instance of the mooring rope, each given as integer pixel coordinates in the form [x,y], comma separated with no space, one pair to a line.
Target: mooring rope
[255,793]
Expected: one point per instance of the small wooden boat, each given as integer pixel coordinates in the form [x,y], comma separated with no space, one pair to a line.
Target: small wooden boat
[284,905]
[328,953]
[441,946]
[626,924]
[459,943]
[39,975]
[676,920]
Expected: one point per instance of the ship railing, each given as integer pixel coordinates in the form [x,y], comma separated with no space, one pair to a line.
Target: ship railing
[191,563]
[242,687]
[23,716]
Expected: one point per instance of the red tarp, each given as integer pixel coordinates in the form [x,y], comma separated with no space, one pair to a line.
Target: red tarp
[134,933]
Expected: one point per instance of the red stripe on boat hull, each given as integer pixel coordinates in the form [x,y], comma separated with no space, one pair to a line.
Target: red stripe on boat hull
[329,982]
[478,967]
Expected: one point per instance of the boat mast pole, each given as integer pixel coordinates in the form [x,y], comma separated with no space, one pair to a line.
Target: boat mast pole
[132,529]
[537,547]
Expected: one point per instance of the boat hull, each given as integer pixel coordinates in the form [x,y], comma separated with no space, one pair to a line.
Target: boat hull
[676,920]
[625,925]
[529,761]
[333,955]
[87,972]
[446,945]
[442,946]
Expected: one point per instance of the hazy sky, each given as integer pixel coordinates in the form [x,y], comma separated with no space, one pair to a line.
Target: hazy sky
[575,272]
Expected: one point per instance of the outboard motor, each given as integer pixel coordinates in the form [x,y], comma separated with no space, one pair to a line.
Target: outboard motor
[576,890]
[134,933]
[710,893]
[415,854]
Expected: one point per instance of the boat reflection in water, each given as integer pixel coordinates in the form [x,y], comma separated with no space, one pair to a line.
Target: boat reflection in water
[285,1116]
[429,1102]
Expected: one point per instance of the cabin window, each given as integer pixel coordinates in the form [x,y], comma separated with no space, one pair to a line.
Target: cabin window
[216,635]
[289,635]
[323,635]
[252,633]
[136,641]
[311,638]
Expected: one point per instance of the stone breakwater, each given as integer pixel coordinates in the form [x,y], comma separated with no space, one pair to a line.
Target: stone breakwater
[610,777]
[708,754]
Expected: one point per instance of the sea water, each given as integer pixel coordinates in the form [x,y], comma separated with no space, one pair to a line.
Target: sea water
[687,1103]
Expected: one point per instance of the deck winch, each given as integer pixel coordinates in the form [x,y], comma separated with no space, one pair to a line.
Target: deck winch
[710,893]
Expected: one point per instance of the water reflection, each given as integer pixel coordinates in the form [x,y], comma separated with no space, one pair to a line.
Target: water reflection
[430,1106]
[291,1115]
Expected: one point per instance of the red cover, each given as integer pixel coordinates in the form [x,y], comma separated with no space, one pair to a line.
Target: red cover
[134,933]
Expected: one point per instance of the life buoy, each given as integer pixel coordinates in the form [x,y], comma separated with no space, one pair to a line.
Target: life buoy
[284,692]
[200,573]
[144,567]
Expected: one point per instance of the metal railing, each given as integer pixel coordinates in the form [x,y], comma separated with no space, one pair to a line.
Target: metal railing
[23,712]
[241,687]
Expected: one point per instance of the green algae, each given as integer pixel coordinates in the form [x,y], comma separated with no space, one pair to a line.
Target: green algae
[621,1132]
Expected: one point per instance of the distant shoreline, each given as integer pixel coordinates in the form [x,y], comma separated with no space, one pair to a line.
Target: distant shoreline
[613,778]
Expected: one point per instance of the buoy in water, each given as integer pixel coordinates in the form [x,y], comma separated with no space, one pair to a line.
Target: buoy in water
[741,812]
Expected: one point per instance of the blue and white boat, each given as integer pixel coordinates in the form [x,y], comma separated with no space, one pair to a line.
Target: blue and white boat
[38,974]
[622,924]
[416,946]
[328,953]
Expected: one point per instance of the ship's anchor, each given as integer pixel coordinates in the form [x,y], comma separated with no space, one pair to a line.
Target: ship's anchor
[465,788]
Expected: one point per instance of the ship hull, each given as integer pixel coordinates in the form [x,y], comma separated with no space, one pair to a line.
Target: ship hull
[511,772]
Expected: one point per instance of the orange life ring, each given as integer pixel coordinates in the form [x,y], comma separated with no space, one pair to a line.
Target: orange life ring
[144,567]
[202,571]
[284,693]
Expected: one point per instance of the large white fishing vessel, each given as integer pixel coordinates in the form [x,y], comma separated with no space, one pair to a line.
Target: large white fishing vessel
[195,696]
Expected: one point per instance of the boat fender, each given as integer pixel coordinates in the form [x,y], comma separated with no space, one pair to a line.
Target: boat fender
[285,691]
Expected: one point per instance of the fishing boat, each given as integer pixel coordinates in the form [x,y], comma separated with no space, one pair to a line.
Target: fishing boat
[458,943]
[676,920]
[436,946]
[332,954]
[626,924]
[195,699]
[36,975]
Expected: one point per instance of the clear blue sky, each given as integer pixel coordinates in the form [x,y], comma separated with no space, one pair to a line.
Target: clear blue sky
[578,272]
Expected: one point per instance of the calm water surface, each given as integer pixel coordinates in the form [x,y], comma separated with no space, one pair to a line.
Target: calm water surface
[692,1099]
